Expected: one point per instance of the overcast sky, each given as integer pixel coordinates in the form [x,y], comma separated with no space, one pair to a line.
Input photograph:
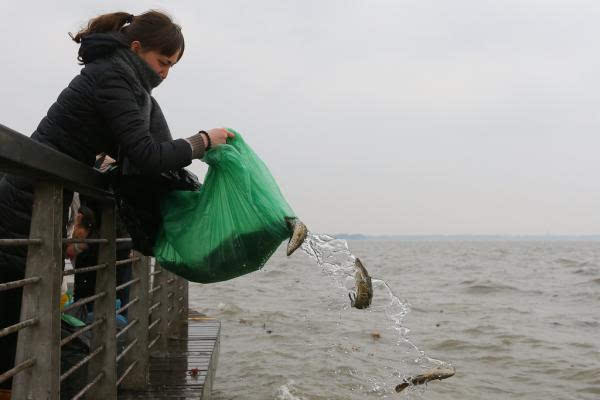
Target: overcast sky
[380,117]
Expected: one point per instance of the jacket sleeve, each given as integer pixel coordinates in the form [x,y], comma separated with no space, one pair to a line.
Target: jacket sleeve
[117,105]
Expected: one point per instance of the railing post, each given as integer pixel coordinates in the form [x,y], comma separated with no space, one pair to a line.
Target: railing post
[163,328]
[181,303]
[42,300]
[186,299]
[104,307]
[137,378]
[172,317]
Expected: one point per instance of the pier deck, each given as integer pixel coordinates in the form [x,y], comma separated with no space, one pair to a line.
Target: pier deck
[187,369]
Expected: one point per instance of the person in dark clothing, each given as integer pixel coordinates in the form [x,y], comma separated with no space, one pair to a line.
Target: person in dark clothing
[107,108]
[85,283]
[84,223]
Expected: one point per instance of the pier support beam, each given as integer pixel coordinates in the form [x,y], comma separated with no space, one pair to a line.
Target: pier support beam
[104,307]
[42,299]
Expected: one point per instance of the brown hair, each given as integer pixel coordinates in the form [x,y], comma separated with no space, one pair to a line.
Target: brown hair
[88,219]
[153,29]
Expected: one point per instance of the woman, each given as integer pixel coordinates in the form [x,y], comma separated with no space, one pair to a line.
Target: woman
[107,108]
[83,225]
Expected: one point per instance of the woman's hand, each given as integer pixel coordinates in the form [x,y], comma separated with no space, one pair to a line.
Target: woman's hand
[201,141]
[218,136]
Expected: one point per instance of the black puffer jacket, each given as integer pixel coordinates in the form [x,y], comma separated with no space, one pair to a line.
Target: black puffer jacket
[106,108]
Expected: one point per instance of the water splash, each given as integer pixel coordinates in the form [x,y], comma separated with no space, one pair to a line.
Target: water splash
[285,392]
[336,261]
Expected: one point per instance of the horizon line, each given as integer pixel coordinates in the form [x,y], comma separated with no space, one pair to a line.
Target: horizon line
[472,235]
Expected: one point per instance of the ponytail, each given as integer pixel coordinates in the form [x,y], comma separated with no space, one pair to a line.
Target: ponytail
[112,22]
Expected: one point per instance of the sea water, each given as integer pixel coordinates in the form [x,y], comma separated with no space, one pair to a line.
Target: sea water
[517,319]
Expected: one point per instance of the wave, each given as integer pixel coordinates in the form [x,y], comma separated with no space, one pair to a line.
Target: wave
[489,287]
[591,375]
[567,262]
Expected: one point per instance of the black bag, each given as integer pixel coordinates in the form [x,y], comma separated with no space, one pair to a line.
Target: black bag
[138,199]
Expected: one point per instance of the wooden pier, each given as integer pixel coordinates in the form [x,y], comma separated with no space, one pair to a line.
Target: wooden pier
[165,351]
[187,369]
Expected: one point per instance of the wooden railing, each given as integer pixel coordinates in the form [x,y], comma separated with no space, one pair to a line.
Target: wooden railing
[158,299]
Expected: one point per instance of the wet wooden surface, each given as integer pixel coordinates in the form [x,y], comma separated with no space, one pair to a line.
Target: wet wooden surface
[186,370]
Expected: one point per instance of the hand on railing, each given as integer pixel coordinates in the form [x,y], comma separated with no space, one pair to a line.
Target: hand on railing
[105,161]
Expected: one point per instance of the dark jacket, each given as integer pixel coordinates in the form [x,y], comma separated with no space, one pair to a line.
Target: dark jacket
[106,108]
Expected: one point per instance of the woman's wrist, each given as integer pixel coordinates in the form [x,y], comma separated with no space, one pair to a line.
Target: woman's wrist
[207,141]
[198,144]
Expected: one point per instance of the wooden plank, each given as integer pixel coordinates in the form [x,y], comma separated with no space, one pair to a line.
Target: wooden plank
[22,156]
[104,307]
[41,300]
[182,290]
[160,348]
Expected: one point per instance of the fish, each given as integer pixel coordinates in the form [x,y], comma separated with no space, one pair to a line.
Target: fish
[298,234]
[364,287]
[433,374]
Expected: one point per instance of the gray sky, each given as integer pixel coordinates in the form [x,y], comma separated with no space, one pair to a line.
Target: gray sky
[381,117]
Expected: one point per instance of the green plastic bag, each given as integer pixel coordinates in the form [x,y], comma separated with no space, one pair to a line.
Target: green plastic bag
[228,228]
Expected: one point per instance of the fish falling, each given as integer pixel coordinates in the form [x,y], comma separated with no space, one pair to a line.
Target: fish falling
[430,375]
[364,288]
[298,234]
[362,299]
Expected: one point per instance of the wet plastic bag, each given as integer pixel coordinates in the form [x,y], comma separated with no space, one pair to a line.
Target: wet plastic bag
[228,228]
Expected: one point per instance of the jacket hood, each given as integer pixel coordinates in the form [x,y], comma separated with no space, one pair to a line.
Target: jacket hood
[99,45]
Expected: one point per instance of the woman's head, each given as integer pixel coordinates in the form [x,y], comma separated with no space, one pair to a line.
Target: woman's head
[85,218]
[152,35]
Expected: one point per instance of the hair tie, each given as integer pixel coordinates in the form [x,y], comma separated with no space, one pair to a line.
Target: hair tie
[129,18]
